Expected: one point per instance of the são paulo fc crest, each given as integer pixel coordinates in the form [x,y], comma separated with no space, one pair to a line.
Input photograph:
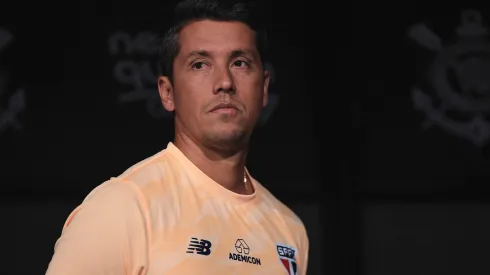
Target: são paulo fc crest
[454,95]
[287,256]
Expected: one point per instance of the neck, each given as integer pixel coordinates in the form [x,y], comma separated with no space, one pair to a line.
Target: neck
[225,168]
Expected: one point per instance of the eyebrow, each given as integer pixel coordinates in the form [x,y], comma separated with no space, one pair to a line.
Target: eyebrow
[201,53]
[233,54]
[238,53]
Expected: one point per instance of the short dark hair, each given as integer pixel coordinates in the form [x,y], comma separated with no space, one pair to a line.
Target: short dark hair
[188,11]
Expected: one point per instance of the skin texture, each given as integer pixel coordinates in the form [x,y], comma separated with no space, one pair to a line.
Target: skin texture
[218,65]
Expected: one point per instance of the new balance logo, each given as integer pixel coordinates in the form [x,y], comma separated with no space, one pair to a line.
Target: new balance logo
[202,247]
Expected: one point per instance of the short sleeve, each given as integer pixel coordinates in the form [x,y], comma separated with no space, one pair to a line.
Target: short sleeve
[107,234]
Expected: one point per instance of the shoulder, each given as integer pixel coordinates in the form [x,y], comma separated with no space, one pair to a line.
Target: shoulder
[97,235]
[148,170]
[291,219]
[282,208]
[153,175]
[114,199]
[128,190]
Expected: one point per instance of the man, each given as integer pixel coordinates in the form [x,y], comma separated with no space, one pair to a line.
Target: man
[193,207]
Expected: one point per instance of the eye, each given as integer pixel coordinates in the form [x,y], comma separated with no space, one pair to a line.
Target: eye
[241,63]
[198,65]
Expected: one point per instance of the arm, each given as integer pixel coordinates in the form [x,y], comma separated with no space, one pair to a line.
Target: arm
[106,234]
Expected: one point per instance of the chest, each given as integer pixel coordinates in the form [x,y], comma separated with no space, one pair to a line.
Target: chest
[224,241]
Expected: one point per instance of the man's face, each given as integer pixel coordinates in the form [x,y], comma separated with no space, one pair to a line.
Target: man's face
[219,85]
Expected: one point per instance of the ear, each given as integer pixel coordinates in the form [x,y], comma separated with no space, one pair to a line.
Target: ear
[166,91]
[265,97]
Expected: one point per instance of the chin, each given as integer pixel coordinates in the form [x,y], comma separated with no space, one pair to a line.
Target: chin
[228,138]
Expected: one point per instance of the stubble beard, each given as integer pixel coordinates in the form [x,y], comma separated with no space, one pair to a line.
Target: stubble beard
[229,140]
[235,141]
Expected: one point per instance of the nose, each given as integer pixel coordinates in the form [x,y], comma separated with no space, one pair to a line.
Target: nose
[225,82]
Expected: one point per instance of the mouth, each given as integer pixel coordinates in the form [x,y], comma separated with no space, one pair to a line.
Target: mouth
[225,108]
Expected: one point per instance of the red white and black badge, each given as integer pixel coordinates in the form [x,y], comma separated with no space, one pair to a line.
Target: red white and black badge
[287,256]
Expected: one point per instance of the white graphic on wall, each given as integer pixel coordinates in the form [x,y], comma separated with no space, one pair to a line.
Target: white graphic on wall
[458,97]
[15,104]
[137,68]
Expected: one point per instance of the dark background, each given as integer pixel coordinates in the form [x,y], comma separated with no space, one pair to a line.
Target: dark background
[344,147]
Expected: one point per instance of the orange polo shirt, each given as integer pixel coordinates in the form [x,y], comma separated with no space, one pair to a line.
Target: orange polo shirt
[165,216]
